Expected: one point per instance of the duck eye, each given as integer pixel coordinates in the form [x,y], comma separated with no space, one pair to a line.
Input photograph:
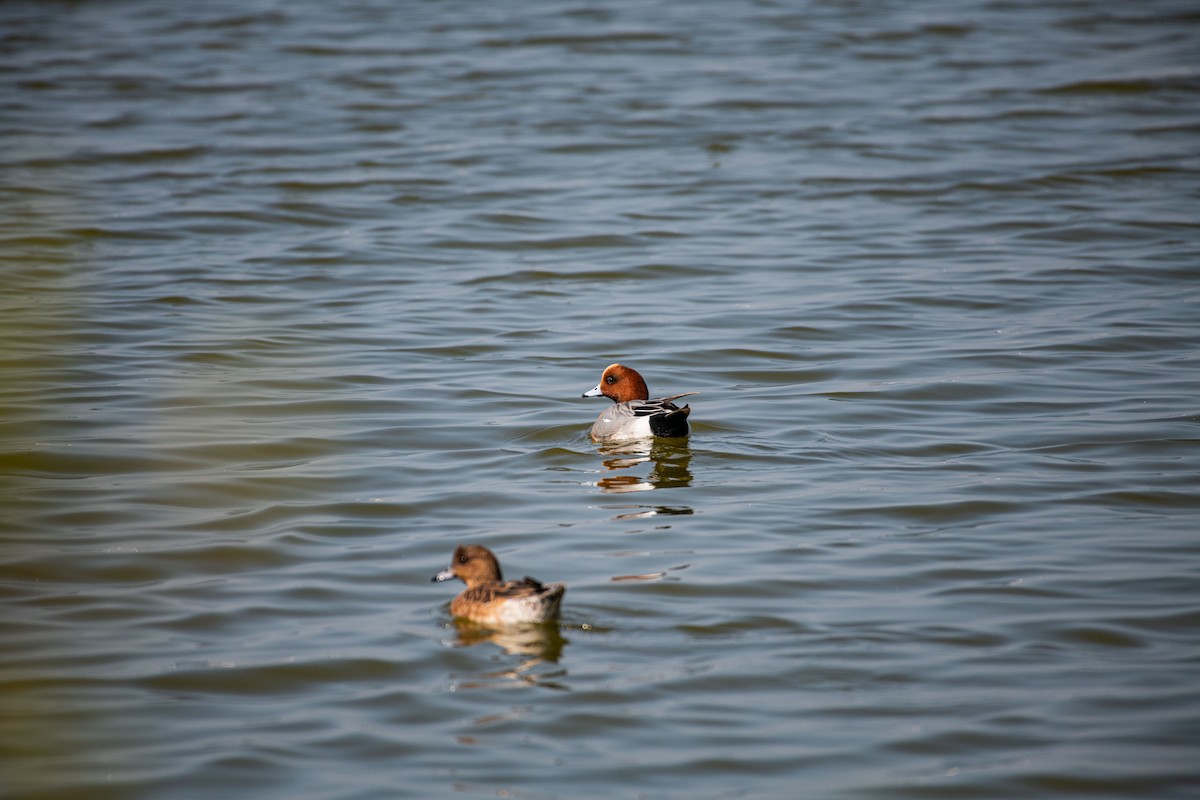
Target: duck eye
[462,559]
[611,379]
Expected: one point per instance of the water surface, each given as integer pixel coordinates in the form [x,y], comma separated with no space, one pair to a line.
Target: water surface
[298,296]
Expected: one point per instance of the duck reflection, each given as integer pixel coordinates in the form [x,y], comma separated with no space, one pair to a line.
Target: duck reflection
[544,642]
[669,461]
[540,644]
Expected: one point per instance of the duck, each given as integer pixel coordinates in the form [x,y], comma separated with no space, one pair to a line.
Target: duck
[491,601]
[634,415]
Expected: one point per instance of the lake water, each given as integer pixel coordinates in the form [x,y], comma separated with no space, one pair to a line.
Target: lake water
[296,297]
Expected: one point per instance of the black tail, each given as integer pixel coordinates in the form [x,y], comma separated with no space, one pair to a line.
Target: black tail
[672,424]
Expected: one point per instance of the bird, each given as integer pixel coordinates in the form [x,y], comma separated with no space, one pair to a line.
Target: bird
[634,415]
[490,600]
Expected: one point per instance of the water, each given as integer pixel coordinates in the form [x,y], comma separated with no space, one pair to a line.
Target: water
[298,296]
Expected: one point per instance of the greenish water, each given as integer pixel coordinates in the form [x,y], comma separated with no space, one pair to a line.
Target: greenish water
[297,297]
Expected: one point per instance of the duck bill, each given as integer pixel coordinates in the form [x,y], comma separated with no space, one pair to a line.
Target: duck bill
[445,575]
[594,392]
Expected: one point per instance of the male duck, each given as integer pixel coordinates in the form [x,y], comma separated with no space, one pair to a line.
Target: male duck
[492,601]
[635,415]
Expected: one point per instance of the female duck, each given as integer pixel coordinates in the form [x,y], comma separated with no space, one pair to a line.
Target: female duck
[489,599]
[634,415]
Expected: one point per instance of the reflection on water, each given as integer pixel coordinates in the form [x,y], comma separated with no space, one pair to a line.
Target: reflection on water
[544,641]
[541,644]
[669,461]
[651,576]
[644,511]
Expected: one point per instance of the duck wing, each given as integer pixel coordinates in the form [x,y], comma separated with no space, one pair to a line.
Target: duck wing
[506,590]
[663,405]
